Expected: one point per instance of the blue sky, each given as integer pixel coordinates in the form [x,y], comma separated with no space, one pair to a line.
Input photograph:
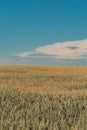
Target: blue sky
[43,32]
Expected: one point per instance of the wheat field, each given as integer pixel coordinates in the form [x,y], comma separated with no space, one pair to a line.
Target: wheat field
[43,98]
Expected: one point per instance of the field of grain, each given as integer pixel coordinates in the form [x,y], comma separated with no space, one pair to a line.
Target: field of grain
[43,98]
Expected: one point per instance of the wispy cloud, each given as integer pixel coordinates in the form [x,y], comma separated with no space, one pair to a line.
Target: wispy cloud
[24,54]
[61,50]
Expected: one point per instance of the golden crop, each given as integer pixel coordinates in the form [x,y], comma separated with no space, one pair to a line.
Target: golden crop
[43,98]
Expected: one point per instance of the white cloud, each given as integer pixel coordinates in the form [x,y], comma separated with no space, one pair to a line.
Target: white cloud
[61,50]
[25,54]
[66,50]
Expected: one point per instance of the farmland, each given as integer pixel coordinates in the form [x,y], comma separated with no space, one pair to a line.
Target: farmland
[43,98]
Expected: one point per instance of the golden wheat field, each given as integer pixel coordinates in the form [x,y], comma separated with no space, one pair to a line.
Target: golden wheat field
[43,98]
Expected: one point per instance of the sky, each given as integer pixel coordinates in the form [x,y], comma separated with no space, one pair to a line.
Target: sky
[43,32]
